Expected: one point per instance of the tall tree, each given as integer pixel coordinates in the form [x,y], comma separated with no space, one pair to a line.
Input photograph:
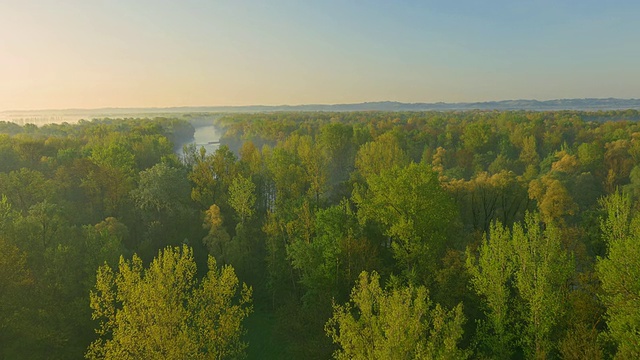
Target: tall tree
[164,312]
[242,197]
[492,274]
[619,273]
[398,323]
[15,281]
[542,271]
[164,208]
[416,213]
[523,276]
[114,177]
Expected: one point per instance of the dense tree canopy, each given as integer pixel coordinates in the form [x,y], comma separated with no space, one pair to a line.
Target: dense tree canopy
[480,234]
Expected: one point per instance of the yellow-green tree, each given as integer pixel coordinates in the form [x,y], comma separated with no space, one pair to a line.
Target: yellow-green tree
[383,153]
[242,197]
[164,312]
[542,270]
[527,270]
[398,323]
[492,271]
[619,273]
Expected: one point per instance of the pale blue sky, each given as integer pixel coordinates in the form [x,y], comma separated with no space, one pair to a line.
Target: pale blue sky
[122,53]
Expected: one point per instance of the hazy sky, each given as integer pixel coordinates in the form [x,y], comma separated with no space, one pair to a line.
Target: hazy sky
[139,53]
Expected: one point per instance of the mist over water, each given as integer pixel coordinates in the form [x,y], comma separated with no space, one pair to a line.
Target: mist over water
[204,136]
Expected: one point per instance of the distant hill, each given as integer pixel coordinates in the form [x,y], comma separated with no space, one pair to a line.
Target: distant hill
[534,105]
[73,115]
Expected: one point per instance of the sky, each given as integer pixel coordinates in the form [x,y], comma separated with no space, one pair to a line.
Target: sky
[61,54]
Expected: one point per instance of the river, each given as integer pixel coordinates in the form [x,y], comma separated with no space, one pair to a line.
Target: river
[204,136]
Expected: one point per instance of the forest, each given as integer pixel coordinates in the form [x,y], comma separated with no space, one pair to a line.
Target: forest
[317,235]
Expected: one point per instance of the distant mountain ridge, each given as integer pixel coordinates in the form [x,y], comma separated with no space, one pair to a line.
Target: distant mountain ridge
[72,115]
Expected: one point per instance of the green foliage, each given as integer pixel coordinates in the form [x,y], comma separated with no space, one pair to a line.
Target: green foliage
[415,212]
[318,258]
[15,283]
[492,274]
[398,323]
[619,272]
[56,185]
[522,276]
[542,271]
[111,182]
[7,215]
[581,343]
[316,198]
[211,177]
[478,137]
[384,153]
[114,156]
[330,261]
[217,240]
[164,312]
[25,188]
[242,197]
[162,189]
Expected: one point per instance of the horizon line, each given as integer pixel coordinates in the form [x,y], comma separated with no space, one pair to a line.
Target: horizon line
[106,108]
